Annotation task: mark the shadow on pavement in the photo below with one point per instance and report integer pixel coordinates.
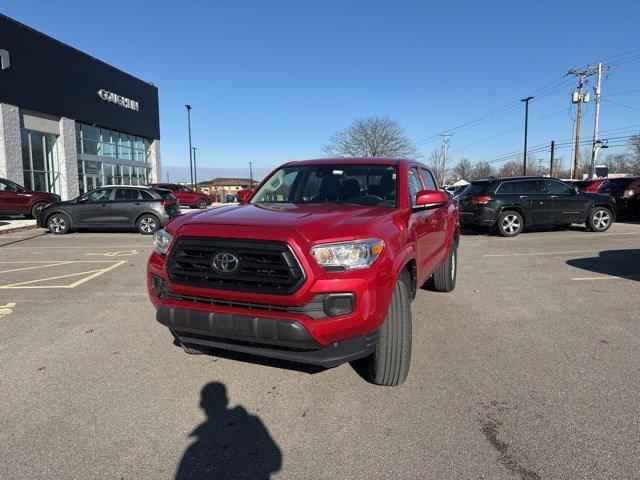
(23, 239)
(619, 263)
(229, 444)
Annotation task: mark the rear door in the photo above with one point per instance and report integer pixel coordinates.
(124, 206)
(535, 201)
(92, 209)
(567, 205)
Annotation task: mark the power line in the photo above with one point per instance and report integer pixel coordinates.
(621, 104)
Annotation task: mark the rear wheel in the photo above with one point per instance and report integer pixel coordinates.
(58, 224)
(148, 224)
(388, 365)
(444, 278)
(599, 219)
(33, 212)
(510, 223)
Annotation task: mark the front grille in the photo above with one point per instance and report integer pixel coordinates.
(263, 266)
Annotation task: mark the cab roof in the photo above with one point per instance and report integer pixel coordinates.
(351, 161)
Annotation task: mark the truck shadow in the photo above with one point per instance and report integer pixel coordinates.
(230, 444)
(619, 263)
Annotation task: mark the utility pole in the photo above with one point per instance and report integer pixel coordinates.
(251, 173)
(553, 147)
(446, 136)
(189, 128)
(195, 170)
(167, 177)
(526, 128)
(596, 144)
(579, 97)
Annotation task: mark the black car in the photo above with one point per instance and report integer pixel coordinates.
(143, 208)
(626, 192)
(510, 204)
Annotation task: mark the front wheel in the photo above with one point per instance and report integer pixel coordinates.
(35, 209)
(388, 365)
(599, 219)
(58, 224)
(148, 224)
(510, 223)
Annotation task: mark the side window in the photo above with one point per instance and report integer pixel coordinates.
(6, 186)
(126, 194)
(101, 195)
(146, 195)
(557, 187)
(508, 188)
(428, 179)
(532, 186)
(415, 184)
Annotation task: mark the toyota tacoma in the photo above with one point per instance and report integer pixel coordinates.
(319, 264)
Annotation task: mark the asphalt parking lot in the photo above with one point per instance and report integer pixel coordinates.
(528, 370)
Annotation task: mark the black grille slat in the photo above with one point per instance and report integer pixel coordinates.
(264, 266)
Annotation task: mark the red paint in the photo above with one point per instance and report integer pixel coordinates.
(186, 196)
(423, 235)
(15, 199)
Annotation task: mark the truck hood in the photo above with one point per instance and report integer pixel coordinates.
(316, 222)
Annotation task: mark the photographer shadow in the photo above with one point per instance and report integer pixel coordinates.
(229, 444)
(623, 263)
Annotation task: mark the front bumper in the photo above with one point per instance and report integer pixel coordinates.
(266, 336)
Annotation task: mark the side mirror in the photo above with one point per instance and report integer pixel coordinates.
(243, 195)
(431, 199)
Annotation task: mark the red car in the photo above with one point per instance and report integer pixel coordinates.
(318, 265)
(16, 200)
(185, 195)
(589, 186)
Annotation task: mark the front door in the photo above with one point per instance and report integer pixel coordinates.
(566, 203)
(92, 209)
(535, 201)
(13, 198)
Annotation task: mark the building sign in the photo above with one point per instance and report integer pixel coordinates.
(4, 59)
(118, 99)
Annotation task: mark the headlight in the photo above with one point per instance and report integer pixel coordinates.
(162, 239)
(348, 255)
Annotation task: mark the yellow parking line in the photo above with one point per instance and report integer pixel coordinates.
(91, 275)
(97, 274)
(22, 262)
(606, 277)
(559, 252)
(37, 266)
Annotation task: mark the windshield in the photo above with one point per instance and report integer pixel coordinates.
(361, 184)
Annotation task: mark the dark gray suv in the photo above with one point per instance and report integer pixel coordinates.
(145, 209)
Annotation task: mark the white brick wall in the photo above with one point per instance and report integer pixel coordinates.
(68, 159)
(156, 164)
(10, 148)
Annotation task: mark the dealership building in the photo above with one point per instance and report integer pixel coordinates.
(69, 122)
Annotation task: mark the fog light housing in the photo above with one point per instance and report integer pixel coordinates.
(339, 304)
(158, 287)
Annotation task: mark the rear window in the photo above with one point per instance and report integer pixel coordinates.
(146, 195)
(475, 189)
(533, 186)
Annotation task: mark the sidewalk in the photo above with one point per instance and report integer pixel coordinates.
(8, 225)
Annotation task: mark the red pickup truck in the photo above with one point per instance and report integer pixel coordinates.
(318, 265)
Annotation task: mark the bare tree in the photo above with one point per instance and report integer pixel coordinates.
(463, 169)
(634, 154)
(377, 136)
(510, 169)
(434, 162)
(483, 170)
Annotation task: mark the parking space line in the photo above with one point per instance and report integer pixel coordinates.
(559, 252)
(45, 265)
(606, 277)
(91, 274)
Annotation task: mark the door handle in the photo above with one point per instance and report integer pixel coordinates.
(554, 196)
(523, 196)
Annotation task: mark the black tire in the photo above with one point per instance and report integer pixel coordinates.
(201, 203)
(388, 365)
(59, 223)
(599, 219)
(444, 278)
(33, 212)
(510, 223)
(148, 224)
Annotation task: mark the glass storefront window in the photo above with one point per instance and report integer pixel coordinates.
(40, 161)
(109, 143)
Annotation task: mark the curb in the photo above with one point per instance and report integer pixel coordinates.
(18, 229)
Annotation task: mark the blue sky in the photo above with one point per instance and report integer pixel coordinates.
(269, 82)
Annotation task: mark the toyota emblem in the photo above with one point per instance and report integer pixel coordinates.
(225, 262)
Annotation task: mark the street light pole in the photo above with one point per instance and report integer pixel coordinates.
(189, 128)
(195, 169)
(526, 128)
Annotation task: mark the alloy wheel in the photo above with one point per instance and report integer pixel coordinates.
(57, 224)
(601, 219)
(147, 225)
(511, 224)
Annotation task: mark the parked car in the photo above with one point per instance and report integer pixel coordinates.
(319, 265)
(626, 192)
(185, 195)
(589, 186)
(142, 208)
(17, 200)
(510, 204)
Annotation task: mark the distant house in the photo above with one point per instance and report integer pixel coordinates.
(222, 186)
